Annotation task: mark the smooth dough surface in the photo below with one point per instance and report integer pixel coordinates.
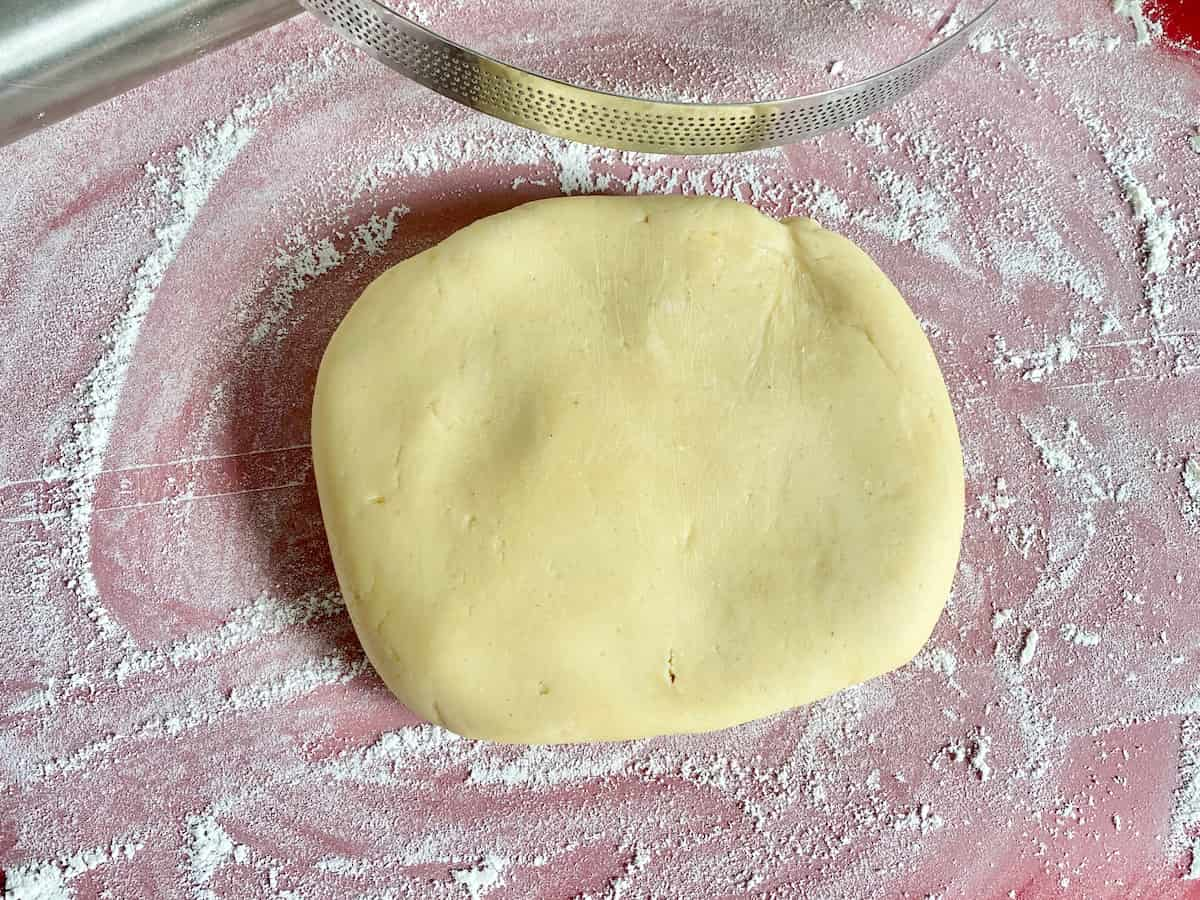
(602, 468)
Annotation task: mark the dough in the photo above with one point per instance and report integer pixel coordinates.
(602, 468)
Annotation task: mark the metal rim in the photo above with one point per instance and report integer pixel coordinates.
(610, 119)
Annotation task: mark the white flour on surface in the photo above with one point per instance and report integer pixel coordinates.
(1185, 816)
(1193, 872)
(1081, 637)
(978, 759)
(184, 188)
(50, 879)
(262, 617)
(619, 886)
(481, 880)
(541, 767)
(1191, 489)
(1028, 647)
(298, 265)
(304, 259)
(1144, 27)
(208, 848)
(1037, 365)
(265, 752)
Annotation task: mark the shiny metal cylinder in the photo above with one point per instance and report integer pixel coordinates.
(60, 56)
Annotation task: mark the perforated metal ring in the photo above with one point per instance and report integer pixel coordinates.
(614, 120)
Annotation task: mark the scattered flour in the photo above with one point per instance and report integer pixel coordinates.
(1193, 872)
(920, 819)
(918, 214)
(914, 191)
(1153, 216)
(619, 887)
(1144, 27)
(305, 679)
(300, 264)
(979, 753)
(1028, 647)
(824, 204)
(184, 187)
(938, 659)
(383, 761)
(481, 880)
(984, 41)
(1037, 365)
(1039, 253)
(302, 260)
(1158, 226)
(941, 660)
(49, 879)
(993, 505)
(207, 848)
(265, 616)
(1081, 637)
(41, 880)
(1191, 488)
(1185, 813)
(373, 236)
(541, 767)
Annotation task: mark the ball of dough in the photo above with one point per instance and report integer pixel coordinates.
(601, 468)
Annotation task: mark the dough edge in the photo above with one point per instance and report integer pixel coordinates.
(426, 681)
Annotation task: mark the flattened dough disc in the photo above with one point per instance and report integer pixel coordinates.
(601, 468)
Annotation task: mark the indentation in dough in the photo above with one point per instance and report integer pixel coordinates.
(516, 435)
(762, 339)
(396, 477)
(435, 412)
(866, 333)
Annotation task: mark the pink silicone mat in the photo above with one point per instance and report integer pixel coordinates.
(185, 710)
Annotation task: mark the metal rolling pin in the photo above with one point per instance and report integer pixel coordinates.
(60, 56)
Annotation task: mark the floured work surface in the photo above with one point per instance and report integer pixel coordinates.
(187, 709)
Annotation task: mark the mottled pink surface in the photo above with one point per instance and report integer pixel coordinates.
(222, 736)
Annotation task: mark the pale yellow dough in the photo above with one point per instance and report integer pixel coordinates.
(602, 468)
